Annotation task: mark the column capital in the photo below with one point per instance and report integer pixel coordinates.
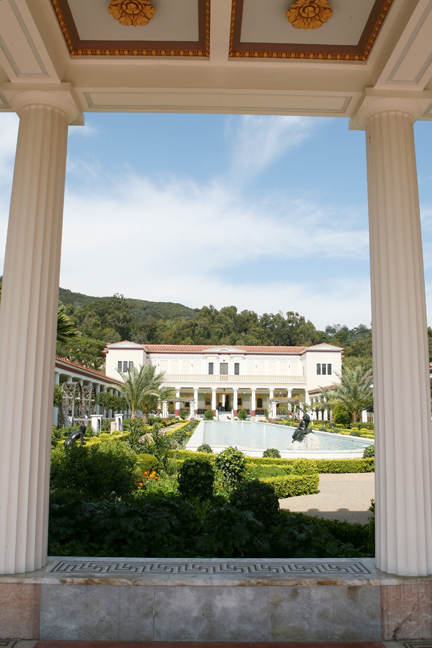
(374, 102)
(60, 96)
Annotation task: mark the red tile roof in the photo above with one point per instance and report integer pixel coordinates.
(99, 374)
(153, 348)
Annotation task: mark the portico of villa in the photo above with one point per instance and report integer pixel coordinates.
(371, 63)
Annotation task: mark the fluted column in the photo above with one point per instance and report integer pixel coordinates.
(400, 347)
(253, 402)
(235, 401)
(28, 321)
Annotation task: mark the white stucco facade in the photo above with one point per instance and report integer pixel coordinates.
(230, 378)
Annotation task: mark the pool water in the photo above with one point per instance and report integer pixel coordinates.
(253, 438)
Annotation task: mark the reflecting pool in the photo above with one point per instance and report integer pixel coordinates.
(253, 438)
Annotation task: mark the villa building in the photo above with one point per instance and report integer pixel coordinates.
(230, 378)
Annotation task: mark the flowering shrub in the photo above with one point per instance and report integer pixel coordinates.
(146, 477)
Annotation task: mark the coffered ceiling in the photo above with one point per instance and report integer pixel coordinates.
(178, 28)
(218, 56)
(262, 30)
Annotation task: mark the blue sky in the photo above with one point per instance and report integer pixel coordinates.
(264, 213)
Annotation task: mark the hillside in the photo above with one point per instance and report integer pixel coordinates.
(139, 308)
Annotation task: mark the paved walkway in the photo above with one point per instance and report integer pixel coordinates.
(340, 497)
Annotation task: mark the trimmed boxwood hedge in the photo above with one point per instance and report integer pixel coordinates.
(324, 465)
(293, 485)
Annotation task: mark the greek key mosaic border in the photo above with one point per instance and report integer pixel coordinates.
(417, 644)
(8, 643)
(195, 567)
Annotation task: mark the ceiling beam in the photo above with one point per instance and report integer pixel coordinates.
(220, 29)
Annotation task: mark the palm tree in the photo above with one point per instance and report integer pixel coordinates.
(65, 328)
(354, 392)
(143, 388)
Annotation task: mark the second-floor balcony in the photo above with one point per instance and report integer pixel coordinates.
(220, 378)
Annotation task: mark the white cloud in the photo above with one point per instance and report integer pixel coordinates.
(184, 242)
(260, 140)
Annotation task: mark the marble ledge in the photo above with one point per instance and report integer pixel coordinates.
(180, 572)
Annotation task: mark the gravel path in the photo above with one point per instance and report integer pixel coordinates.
(340, 497)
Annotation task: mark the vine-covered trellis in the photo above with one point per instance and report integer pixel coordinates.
(78, 403)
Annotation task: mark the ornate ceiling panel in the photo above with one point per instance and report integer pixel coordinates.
(261, 30)
(177, 28)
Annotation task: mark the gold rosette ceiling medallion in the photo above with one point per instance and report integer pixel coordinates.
(309, 14)
(132, 12)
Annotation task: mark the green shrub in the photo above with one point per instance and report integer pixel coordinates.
(369, 451)
(266, 470)
(184, 413)
(355, 433)
(147, 462)
(204, 448)
(259, 498)
(293, 485)
(196, 479)
(95, 472)
(341, 416)
(303, 467)
(272, 452)
(242, 415)
(208, 415)
(231, 463)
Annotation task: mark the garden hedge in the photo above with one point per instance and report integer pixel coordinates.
(324, 465)
(293, 485)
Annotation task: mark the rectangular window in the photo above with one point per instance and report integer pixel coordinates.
(211, 367)
(125, 366)
(224, 368)
(318, 369)
(329, 370)
(119, 365)
(324, 369)
(259, 403)
(208, 401)
(239, 401)
(236, 368)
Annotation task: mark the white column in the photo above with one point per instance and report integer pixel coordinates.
(164, 410)
(401, 380)
(28, 320)
(214, 399)
(177, 405)
(253, 402)
(196, 394)
(97, 390)
(235, 401)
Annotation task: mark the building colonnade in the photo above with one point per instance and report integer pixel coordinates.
(28, 325)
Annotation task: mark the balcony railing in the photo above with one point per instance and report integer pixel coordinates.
(216, 378)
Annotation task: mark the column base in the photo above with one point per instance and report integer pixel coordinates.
(253, 412)
(177, 412)
(165, 420)
(235, 412)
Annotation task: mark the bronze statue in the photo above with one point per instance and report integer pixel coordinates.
(74, 436)
(301, 431)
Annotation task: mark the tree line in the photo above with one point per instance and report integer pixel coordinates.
(102, 321)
